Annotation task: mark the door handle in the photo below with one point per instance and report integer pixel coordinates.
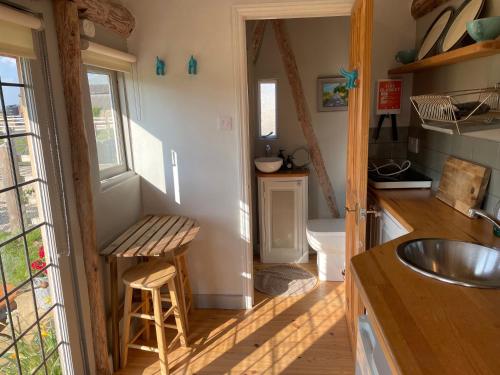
(361, 213)
(365, 212)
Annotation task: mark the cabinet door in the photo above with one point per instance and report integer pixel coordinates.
(390, 228)
(283, 222)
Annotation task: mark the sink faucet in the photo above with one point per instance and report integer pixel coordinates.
(268, 150)
(474, 213)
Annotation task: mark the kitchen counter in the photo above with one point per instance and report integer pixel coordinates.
(426, 326)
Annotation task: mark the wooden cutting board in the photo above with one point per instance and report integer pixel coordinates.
(463, 184)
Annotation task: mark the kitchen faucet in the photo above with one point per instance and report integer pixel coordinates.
(474, 213)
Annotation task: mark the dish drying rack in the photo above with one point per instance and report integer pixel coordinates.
(458, 112)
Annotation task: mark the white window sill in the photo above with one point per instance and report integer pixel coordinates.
(116, 180)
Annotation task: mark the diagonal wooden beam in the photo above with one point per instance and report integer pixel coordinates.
(257, 38)
(113, 16)
(68, 38)
(303, 114)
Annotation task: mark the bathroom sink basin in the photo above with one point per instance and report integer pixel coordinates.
(268, 164)
(454, 262)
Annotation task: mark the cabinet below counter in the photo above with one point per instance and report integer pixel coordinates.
(283, 210)
(427, 326)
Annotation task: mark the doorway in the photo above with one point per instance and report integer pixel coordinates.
(242, 14)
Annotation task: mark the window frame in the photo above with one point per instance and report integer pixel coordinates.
(47, 226)
(123, 167)
(259, 128)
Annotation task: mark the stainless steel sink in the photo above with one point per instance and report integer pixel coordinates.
(454, 262)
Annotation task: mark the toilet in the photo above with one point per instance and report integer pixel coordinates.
(327, 238)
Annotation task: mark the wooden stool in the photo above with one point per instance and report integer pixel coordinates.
(151, 277)
(186, 294)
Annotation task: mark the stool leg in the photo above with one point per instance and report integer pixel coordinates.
(146, 310)
(160, 331)
(188, 293)
(127, 308)
(179, 280)
(179, 316)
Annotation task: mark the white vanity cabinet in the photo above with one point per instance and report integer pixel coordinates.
(283, 217)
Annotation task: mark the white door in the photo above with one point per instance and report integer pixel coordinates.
(283, 228)
(36, 288)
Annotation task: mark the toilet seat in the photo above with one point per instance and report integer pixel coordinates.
(326, 235)
(326, 225)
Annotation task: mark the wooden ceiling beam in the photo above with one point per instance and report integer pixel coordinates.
(303, 114)
(257, 38)
(420, 8)
(113, 16)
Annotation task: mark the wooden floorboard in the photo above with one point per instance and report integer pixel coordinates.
(304, 335)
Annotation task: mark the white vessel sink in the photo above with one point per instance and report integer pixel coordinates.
(268, 164)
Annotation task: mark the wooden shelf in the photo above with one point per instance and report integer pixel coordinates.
(474, 51)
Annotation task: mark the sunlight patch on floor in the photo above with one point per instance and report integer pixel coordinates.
(289, 335)
(283, 347)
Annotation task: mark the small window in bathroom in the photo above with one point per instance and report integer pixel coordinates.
(267, 108)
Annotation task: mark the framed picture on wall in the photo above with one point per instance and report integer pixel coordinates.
(332, 94)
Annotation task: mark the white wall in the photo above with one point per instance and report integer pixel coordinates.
(321, 47)
(393, 30)
(179, 112)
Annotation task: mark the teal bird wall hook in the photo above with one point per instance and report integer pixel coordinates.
(192, 66)
(351, 77)
(160, 67)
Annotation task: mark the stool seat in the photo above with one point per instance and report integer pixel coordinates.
(149, 275)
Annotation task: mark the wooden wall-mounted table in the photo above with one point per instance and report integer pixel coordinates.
(154, 235)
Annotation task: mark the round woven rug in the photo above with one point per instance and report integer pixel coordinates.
(284, 280)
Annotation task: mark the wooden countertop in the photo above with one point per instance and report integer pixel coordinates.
(426, 326)
(302, 172)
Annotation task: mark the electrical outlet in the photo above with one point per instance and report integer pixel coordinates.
(225, 123)
(413, 144)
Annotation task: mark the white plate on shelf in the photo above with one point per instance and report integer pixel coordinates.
(434, 33)
(469, 11)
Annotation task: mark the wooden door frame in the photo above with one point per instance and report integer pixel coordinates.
(241, 14)
(357, 158)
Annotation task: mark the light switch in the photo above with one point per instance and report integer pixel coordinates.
(225, 123)
(413, 145)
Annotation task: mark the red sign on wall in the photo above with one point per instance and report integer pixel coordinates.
(389, 96)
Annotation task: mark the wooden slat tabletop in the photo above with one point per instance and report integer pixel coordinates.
(152, 236)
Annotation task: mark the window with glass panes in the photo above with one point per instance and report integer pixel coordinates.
(30, 338)
(106, 116)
